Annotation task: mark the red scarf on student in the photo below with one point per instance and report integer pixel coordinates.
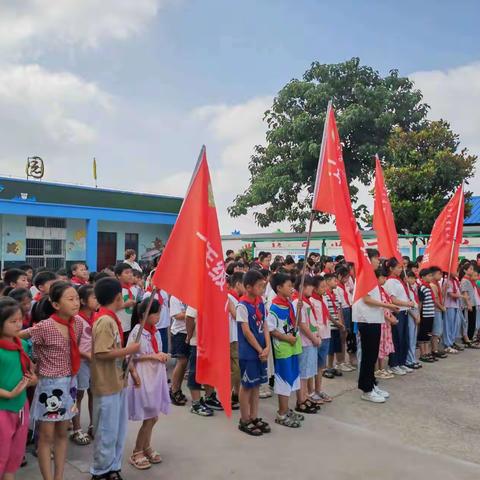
(152, 330)
(17, 345)
(345, 293)
(439, 290)
(255, 303)
(325, 312)
(27, 320)
(79, 281)
(284, 302)
(332, 298)
(307, 301)
(404, 285)
(455, 284)
(415, 294)
(38, 296)
(234, 294)
(88, 319)
(385, 296)
(150, 289)
(326, 270)
(74, 350)
(474, 285)
(427, 285)
(102, 311)
(128, 287)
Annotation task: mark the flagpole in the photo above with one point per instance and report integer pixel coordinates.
(312, 216)
(450, 262)
(126, 363)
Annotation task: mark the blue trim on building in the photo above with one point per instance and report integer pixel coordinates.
(91, 242)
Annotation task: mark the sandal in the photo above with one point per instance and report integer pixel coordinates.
(178, 398)
(249, 428)
(311, 404)
(328, 374)
(152, 456)
(287, 421)
(139, 461)
(263, 426)
(297, 416)
(426, 359)
(80, 438)
(325, 397)
(114, 475)
(304, 408)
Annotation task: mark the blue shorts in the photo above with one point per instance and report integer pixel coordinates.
(253, 373)
(308, 362)
(322, 353)
(347, 318)
(438, 324)
(335, 342)
(83, 375)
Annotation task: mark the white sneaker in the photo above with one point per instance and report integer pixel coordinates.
(345, 368)
(381, 392)
(398, 371)
(372, 397)
(406, 369)
(265, 391)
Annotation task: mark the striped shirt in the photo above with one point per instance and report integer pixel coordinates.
(428, 305)
(333, 308)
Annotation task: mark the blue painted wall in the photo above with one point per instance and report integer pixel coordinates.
(13, 238)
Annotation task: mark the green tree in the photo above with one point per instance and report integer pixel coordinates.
(368, 107)
(423, 169)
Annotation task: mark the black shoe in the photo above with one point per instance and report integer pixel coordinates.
(177, 398)
(337, 372)
(328, 374)
(114, 475)
(439, 354)
(413, 366)
(458, 347)
(199, 408)
(212, 402)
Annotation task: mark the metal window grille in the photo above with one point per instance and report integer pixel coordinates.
(46, 222)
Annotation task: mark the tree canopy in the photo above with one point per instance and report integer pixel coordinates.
(372, 111)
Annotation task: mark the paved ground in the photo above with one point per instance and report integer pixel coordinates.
(429, 428)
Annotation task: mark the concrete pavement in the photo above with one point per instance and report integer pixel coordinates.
(429, 428)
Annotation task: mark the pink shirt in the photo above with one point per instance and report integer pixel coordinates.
(85, 344)
(52, 349)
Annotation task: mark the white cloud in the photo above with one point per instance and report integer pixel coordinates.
(71, 22)
(454, 95)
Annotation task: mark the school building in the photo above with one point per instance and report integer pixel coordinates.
(55, 225)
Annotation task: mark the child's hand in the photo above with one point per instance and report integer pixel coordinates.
(135, 378)
(130, 303)
(162, 357)
(20, 387)
(263, 355)
(291, 339)
(132, 348)
(317, 341)
(393, 307)
(32, 379)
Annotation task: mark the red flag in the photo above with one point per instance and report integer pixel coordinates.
(446, 237)
(383, 222)
(192, 269)
(332, 196)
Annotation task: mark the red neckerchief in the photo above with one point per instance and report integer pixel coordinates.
(79, 281)
(152, 330)
(326, 270)
(284, 302)
(255, 303)
(345, 294)
(38, 296)
(455, 284)
(331, 295)
(385, 296)
(415, 294)
(474, 285)
(325, 312)
(74, 350)
(17, 345)
(128, 287)
(402, 282)
(427, 285)
(88, 319)
(27, 320)
(102, 311)
(307, 301)
(157, 293)
(439, 290)
(234, 294)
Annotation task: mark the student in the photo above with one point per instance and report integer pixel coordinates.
(28, 269)
(55, 342)
(253, 351)
(437, 329)
(16, 374)
(344, 299)
(80, 274)
(164, 323)
(24, 298)
(236, 290)
(200, 406)
(289, 263)
(180, 350)
(368, 313)
(88, 308)
(310, 337)
(336, 327)
(139, 283)
(475, 278)
(15, 278)
(318, 302)
(414, 321)
(326, 265)
(151, 398)
(386, 341)
(107, 382)
(398, 291)
(453, 315)
(124, 274)
(286, 346)
(468, 287)
(42, 282)
(427, 315)
(62, 275)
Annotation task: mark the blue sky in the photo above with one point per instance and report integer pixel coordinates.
(141, 84)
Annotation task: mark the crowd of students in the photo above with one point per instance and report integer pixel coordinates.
(64, 335)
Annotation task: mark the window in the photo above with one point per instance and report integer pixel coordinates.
(46, 222)
(41, 249)
(131, 241)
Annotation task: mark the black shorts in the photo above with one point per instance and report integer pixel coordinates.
(425, 329)
(335, 342)
(180, 349)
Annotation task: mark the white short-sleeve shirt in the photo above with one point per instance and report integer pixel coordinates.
(192, 313)
(177, 307)
(394, 287)
(363, 313)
